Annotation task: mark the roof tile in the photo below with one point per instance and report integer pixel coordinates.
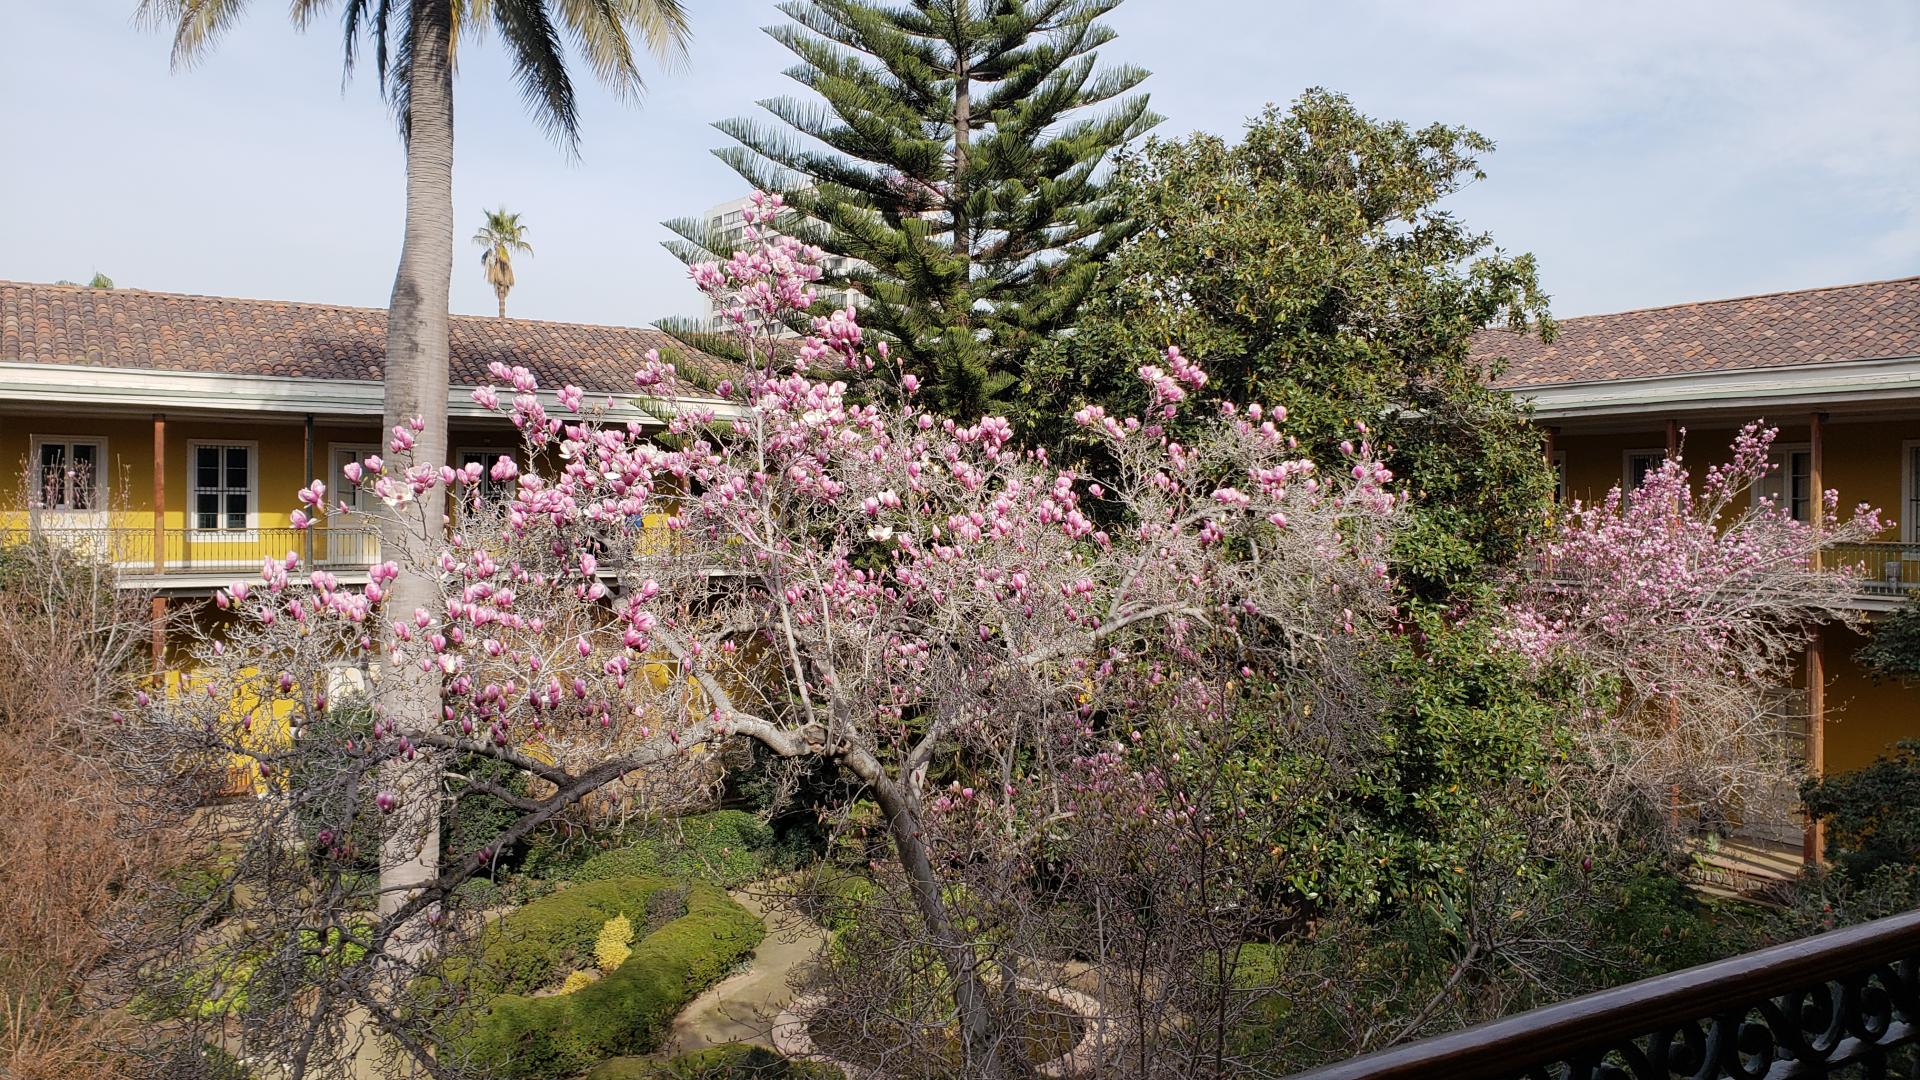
(1816, 326)
(134, 328)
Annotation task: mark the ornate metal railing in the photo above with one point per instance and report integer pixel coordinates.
(1890, 569)
(1844, 1003)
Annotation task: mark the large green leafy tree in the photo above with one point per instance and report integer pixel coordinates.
(1314, 265)
(953, 150)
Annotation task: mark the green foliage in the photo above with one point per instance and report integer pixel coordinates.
(1571, 927)
(224, 981)
(734, 1061)
(833, 897)
(961, 169)
(476, 818)
(542, 942)
(626, 1012)
(1893, 652)
(1872, 814)
(726, 848)
(1389, 820)
(1313, 265)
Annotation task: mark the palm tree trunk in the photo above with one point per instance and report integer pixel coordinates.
(502, 294)
(416, 385)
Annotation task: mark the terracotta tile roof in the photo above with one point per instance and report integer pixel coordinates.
(133, 328)
(1817, 326)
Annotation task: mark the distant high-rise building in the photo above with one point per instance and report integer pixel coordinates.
(726, 224)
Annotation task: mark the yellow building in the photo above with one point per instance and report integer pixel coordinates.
(1837, 370)
(175, 430)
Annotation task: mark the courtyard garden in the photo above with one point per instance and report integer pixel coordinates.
(1133, 638)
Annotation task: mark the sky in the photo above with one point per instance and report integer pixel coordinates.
(1648, 153)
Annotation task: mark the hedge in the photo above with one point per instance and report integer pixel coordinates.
(726, 848)
(542, 942)
(734, 1061)
(626, 1012)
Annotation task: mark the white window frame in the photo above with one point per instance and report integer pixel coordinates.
(99, 443)
(252, 531)
(1780, 455)
(336, 481)
(1626, 464)
(1909, 477)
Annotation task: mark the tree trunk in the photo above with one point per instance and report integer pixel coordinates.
(502, 294)
(957, 190)
(416, 385)
(979, 1041)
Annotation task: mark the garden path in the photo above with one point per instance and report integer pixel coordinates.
(741, 1007)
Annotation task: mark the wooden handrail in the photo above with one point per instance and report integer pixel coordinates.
(1572, 1037)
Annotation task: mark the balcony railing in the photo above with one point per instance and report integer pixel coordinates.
(1891, 569)
(211, 551)
(1845, 1003)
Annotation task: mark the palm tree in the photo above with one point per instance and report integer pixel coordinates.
(414, 44)
(500, 237)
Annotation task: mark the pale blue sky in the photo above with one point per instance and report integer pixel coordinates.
(1649, 153)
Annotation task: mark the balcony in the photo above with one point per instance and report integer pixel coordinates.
(190, 558)
(1892, 570)
(1844, 1003)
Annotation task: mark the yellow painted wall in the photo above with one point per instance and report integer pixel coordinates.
(1861, 459)
(1863, 717)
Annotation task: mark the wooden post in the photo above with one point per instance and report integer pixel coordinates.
(159, 538)
(1673, 436)
(1813, 847)
(307, 537)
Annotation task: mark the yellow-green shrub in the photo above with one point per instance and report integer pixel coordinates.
(611, 950)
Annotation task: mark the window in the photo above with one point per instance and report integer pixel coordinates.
(69, 473)
(221, 476)
(339, 488)
(1790, 482)
(1559, 477)
(1910, 521)
(1640, 463)
(489, 489)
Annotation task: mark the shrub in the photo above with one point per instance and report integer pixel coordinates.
(728, 848)
(612, 950)
(546, 940)
(735, 1061)
(625, 1012)
(1872, 814)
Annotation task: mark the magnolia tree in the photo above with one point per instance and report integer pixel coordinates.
(1684, 610)
(904, 596)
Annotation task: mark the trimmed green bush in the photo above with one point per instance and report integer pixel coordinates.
(726, 848)
(627, 1012)
(734, 1061)
(543, 942)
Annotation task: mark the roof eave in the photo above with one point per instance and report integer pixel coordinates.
(1875, 382)
(113, 387)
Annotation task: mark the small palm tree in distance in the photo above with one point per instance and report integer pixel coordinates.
(499, 238)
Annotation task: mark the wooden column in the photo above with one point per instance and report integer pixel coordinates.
(1813, 847)
(1673, 437)
(159, 538)
(307, 537)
